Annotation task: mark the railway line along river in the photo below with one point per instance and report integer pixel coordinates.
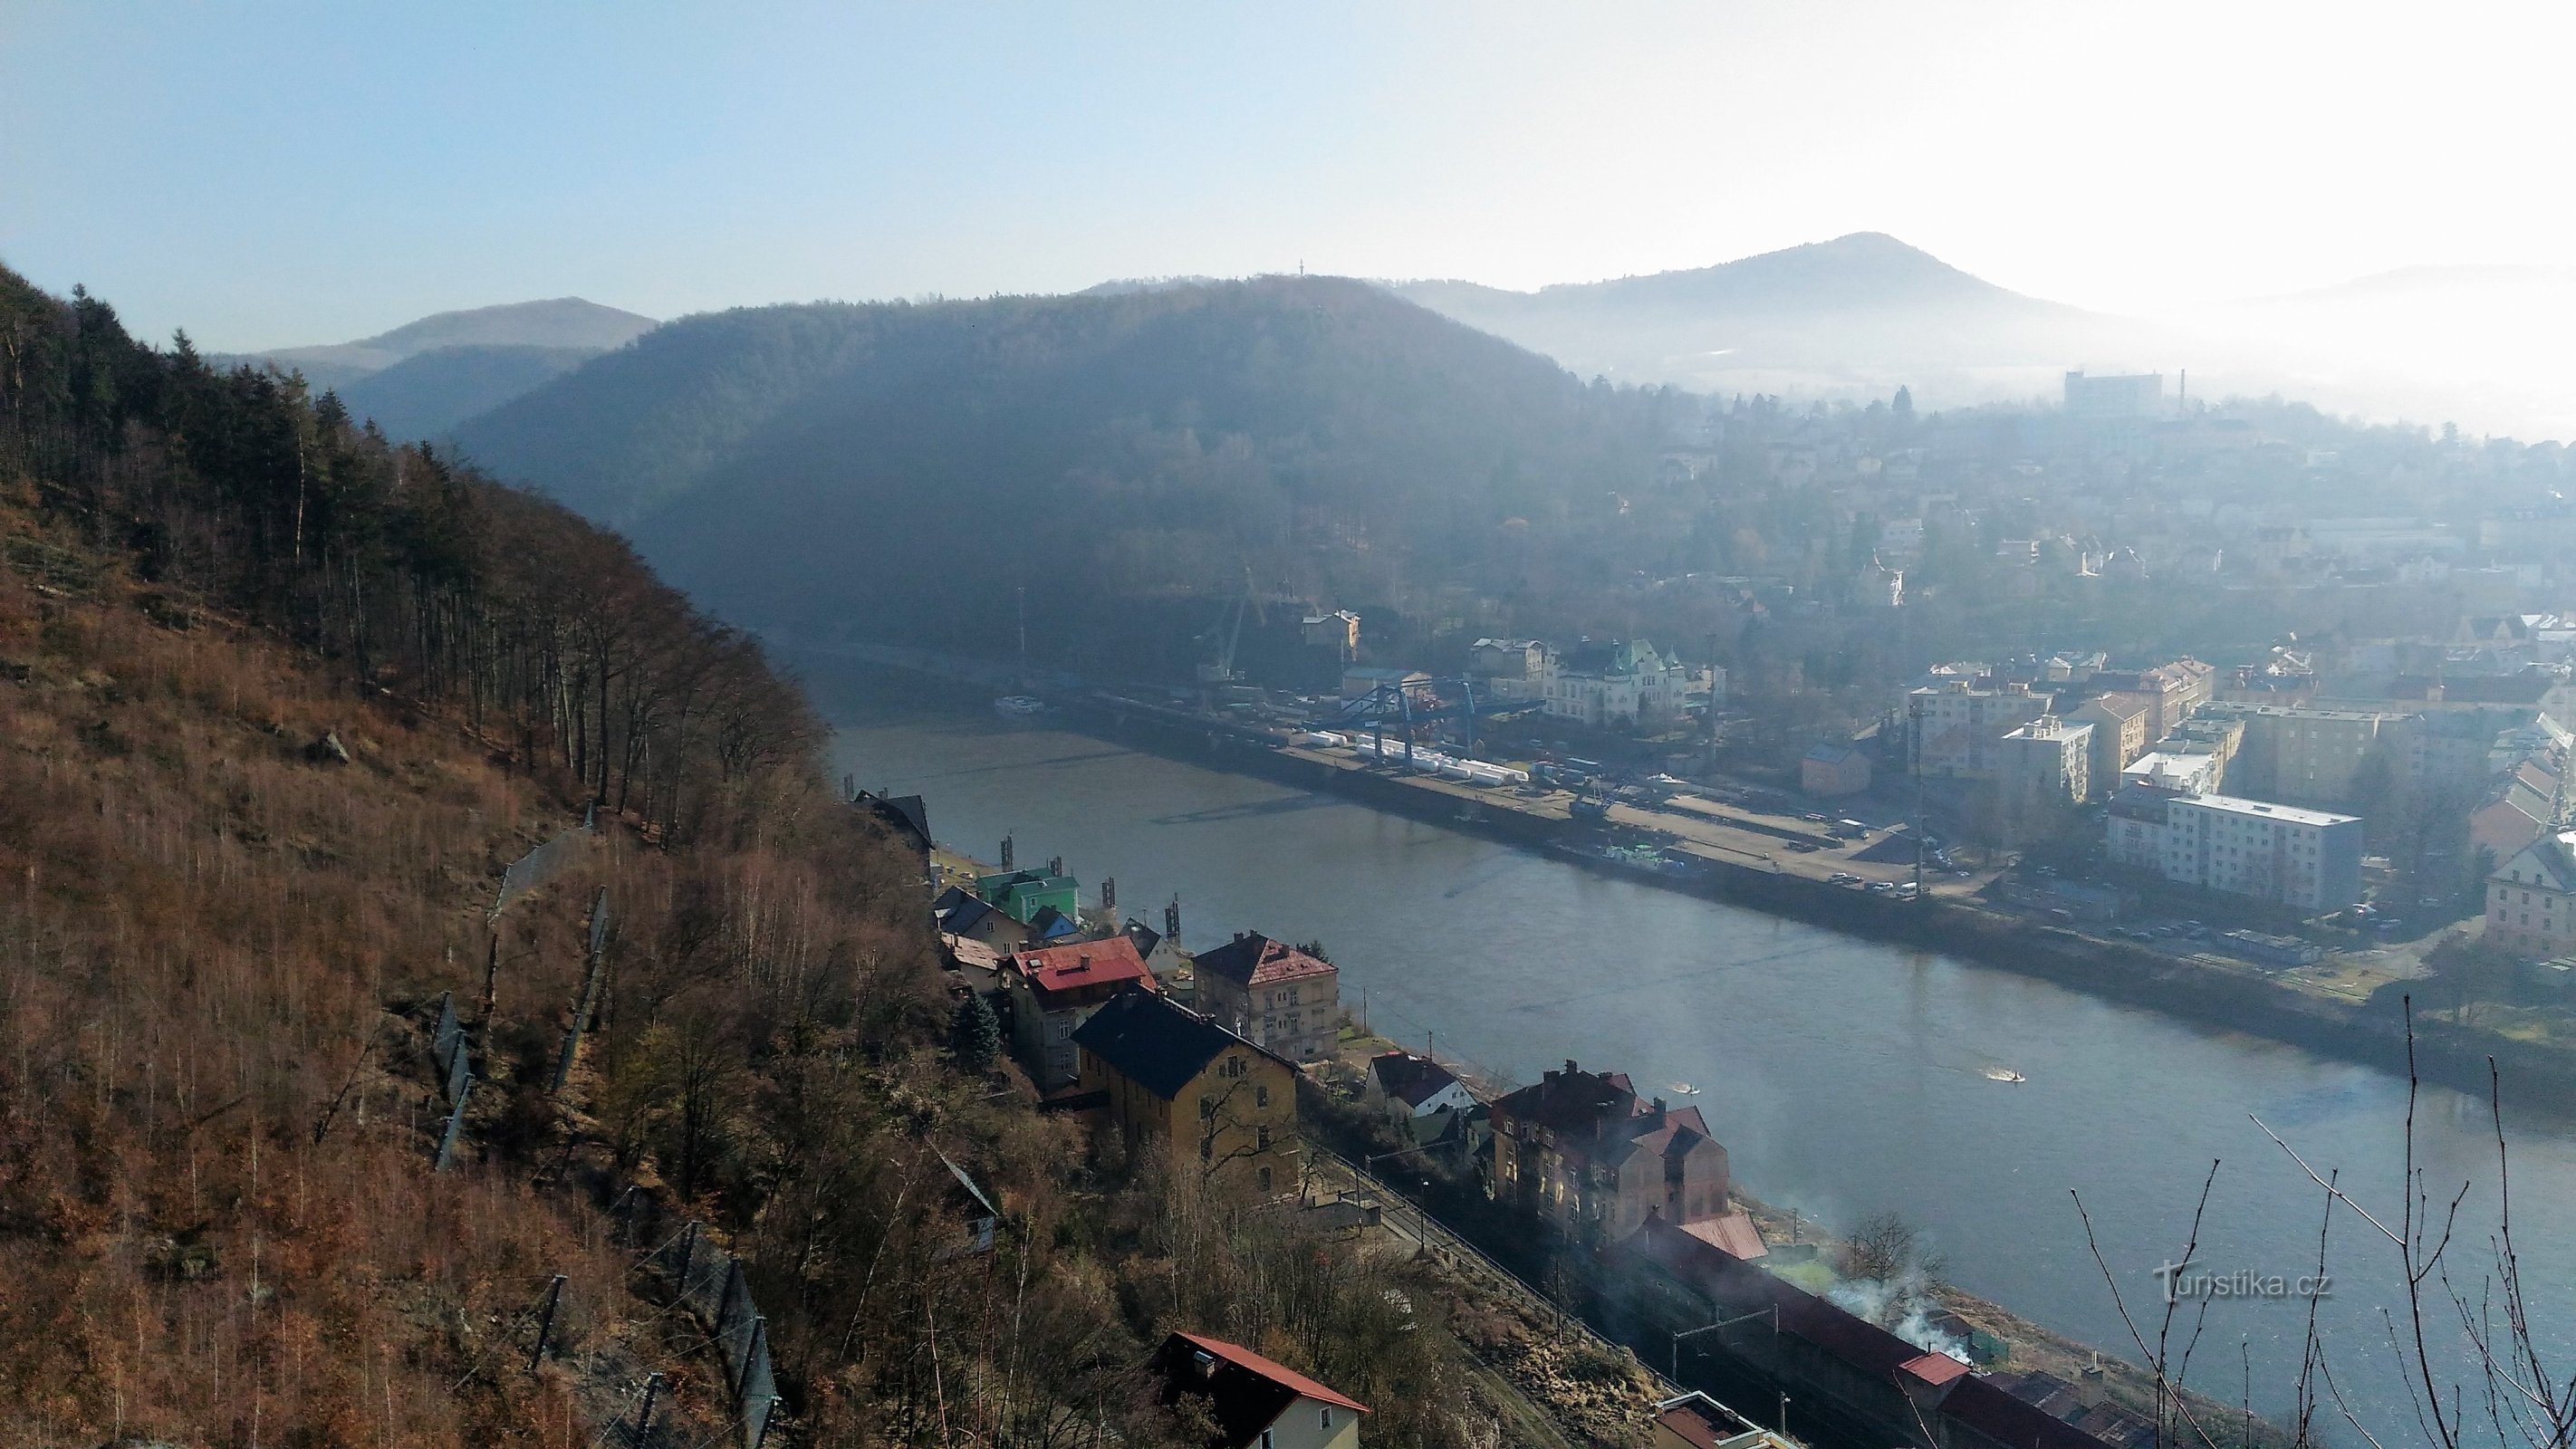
(1844, 1076)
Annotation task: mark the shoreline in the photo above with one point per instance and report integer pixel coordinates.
(2371, 1034)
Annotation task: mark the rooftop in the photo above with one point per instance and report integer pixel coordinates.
(1253, 959)
(2265, 809)
(1410, 1079)
(1157, 1044)
(1083, 963)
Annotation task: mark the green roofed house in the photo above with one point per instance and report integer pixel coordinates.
(1021, 894)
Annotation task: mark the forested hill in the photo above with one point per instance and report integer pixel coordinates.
(903, 469)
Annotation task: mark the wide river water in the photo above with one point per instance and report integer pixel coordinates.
(1843, 1075)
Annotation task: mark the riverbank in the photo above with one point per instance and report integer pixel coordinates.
(2236, 997)
(1950, 918)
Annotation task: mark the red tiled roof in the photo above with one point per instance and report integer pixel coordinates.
(1933, 1368)
(1081, 964)
(1253, 959)
(1278, 1373)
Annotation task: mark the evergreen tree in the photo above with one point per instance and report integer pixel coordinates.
(974, 1034)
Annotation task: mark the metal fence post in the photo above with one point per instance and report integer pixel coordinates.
(546, 1325)
(455, 1120)
(688, 1249)
(644, 1421)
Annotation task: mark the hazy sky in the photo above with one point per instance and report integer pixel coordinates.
(275, 173)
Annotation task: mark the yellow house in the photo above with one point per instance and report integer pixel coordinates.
(1256, 1403)
(1167, 1075)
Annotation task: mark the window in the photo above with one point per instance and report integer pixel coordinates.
(1265, 1187)
(1324, 1416)
(1261, 1139)
(1207, 1109)
(1261, 1096)
(1265, 1439)
(1207, 1149)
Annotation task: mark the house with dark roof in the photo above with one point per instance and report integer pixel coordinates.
(1173, 1081)
(1054, 989)
(1273, 993)
(1415, 1092)
(956, 913)
(1817, 1350)
(904, 817)
(1582, 1151)
(1255, 1402)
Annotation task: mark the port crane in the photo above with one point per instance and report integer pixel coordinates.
(1405, 706)
(1229, 635)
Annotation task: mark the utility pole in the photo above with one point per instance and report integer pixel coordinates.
(1914, 715)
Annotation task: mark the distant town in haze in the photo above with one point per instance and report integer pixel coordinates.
(1807, 852)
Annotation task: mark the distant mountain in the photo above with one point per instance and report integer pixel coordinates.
(424, 377)
(562, 322)
(908, 471)
(1860, 314)
(428, 393)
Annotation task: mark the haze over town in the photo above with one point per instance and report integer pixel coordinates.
(2116, 158)
(1711, 726)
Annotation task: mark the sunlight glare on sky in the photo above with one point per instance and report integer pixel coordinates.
(270, 174)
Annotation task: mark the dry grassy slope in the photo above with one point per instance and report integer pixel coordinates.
(203, 932)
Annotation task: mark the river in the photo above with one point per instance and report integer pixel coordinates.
(1843, 1075)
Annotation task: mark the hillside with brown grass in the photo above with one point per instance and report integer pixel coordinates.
(280, 705)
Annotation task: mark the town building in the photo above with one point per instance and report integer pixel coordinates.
(2183, 774)
(1254, 1402)
(968, 917)
(1507, 659)
(1582, 1151)
(1955, 729)
(1621, 683)
(2049, 760)
(1338, 631)
(1174, 1082)
(1022, 894)
(1054, 989)
(1696, 1421)
(1892, 1389)
(1831, 769)
(1415, 1092)
(2119, 720)
(2174, 691)
(1162, 954)
(2520, 806)
(1271, 993)
(2531, 899)
(2306, 859)
(2306, 756)
(2218, 737)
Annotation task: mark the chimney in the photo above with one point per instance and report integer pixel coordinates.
(1657, 1113)
(1569, 1066)
(2091, 1388)
(1242, 935)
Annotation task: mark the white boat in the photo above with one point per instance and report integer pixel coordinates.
(1019, 704)
(1684, 1089)
(2003, 1074)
